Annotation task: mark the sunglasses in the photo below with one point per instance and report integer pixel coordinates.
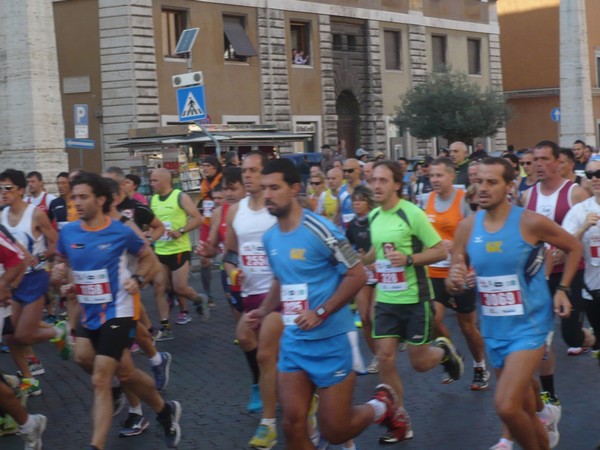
(348, 170)
(316, 183)
(590, 175)
(6, 187)
(527, 163)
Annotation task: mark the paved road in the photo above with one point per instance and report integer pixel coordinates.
(210, 378)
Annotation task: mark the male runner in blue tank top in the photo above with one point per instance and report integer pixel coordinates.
(317, 274)
(514, 300)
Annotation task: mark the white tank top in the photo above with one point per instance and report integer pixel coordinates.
(546, 204)
(23, 232)
(250, 226)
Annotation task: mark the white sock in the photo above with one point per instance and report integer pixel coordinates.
(269, 422)
(27, 427)
(156, 359)
(379, 407)
(352, 446)
(479, 364)
(136, 410)
(507, 442)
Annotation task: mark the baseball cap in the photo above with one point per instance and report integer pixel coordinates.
(361, 152)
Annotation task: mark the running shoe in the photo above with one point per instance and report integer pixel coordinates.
(8, 426)
(452, 360)
(211, 303)
(134, 425)
(373, 366)
(170, 423)
(255, 403)
(480, 379)
(400, 428)
(204, 311)
(551, 425)
(402, 346)
(12, 380)
(549, 399)
(574, 351)
(50, 319)
(5, 349)
(500, 446)
(164, 334)
(183, 318)
(386, 394)
(265, 438)
(31, 387)
(134, 348)
(118, 400)
(63, 342)
(33, 439)
(35, 366)
(161, 371)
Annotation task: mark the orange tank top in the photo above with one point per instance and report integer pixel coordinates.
(445, 223)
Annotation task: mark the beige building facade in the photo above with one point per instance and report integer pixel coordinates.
(335, 68)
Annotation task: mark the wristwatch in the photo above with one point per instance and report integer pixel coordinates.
(563, 288)
(138, 278)
(409, 260)
(181, 230)
(322, 313)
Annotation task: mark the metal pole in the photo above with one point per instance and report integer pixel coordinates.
(212, 138)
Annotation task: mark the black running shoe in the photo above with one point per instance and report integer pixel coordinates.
(452, 361)
(170, 423)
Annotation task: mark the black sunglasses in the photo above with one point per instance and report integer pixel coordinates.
(6, 187)
(590, 175)
(316, 183)
(527, 163)
(348, 170)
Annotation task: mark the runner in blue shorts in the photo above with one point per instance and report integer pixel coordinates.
(316, 275)
(515, 305)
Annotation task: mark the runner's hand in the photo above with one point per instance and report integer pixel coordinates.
(308, 319)
(471, 279)
(131, 285)
(202, 248)
(67, 289)
(254, 318)
(562, 304)
(396, 258)
(457, 277)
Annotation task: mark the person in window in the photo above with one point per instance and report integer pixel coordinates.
(299, 57)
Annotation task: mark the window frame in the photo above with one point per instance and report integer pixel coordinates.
(397, 50)
(477, 69)
(305, 28)
(444, 39)
(236, 25)
(167, 34)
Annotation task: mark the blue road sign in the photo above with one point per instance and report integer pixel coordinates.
(191, 103)
(88, 144)
(80, 113)
(555, 114)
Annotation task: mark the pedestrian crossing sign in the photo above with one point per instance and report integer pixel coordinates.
(191, 103)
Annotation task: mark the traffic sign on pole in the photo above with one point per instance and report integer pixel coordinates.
(86, 144)
(81, 119)
(555, 114)
(191, 103)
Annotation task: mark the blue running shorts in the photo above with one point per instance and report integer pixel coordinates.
(500, 349)
(326, 361)
(33, 286)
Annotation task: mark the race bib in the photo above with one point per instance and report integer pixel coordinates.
(294, 300)
(165, 236)
(347, 218)
(207, 208)
(445, 264)
(595, 249)
(390, 279)
(92, 286)
(500, 296)
(254, 259)
(371, 276)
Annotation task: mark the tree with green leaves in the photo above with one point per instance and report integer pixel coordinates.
(450, 105)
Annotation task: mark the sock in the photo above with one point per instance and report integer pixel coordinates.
(547, 382)
(269, 422)
(479, 364)
(156, 359)
(379, 407)
(251, 357)
(507, 442)
(28, 426)
(352, 446)
(136, 410)
(165, 324)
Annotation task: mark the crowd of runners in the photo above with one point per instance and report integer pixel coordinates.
(305, 261)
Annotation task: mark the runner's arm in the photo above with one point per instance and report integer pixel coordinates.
(157, 229)
(45, 227)
(194, 216)
(213, 234)
(231, 242)
(457, 275)
(369, 257)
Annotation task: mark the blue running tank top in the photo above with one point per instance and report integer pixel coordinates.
(509, 307)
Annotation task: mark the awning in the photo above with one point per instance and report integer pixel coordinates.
(192, 139)
(237, 36)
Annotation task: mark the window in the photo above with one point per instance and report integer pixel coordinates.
(300, 34)
(474, 54)
(338, 42)
(173, 23)
(438, 51)
(237, 45)
(392, 50)
(351, 42)
(598, 71)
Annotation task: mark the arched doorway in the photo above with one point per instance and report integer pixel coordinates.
(348, 112)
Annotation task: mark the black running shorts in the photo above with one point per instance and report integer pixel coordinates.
(462, 304)
(112, 338)
(412, 323)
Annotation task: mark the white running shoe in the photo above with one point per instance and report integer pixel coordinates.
(551, 425)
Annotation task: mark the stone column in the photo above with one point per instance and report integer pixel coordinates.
(32, 135)
(374, 132)
(496, 72)
(329, 98)
(576, 112)
(128, 72)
